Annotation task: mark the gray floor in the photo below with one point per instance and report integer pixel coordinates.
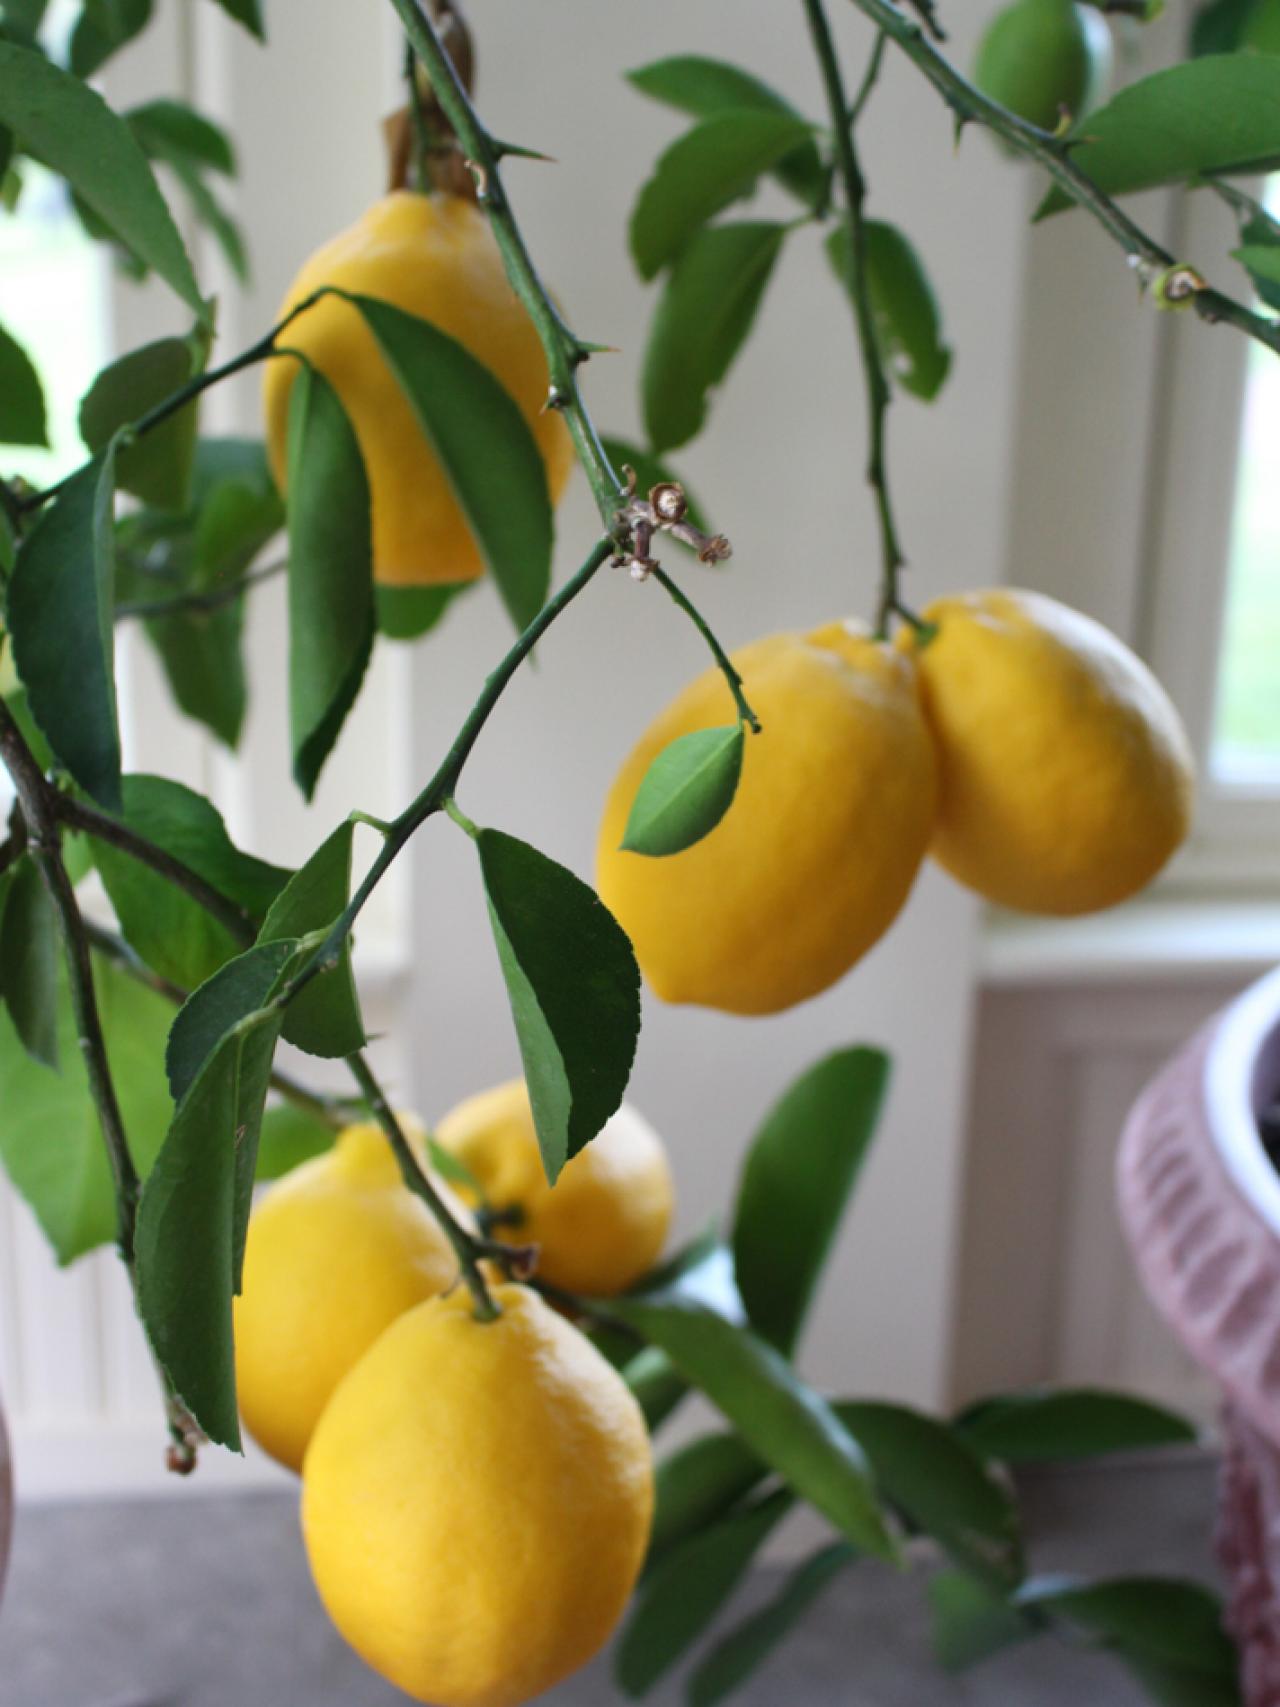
(208, 1604)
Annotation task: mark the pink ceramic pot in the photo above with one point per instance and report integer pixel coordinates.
(1200, 1199)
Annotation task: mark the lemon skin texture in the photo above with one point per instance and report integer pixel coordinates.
(435, 257)
(476, 1501)
(819, 850)
(1067, 777)
(336, 1250)
(604, 1222)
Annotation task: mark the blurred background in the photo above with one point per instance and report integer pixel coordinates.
(1085, 445)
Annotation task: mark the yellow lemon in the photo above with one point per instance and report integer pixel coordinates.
(433, 256)
(604, 1222)
(336, 1251)
(819, 850)
(476, 1501)
(1066, 776)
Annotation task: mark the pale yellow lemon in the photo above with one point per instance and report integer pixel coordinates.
(476, 1501)
(1067, 780)
(336, 1250)
(820, 848)
(604, 1222)
(433, 256)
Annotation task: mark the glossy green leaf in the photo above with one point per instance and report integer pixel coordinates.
(157, 468)
(172, 144)
(248, 13)
(1161, 1620)
(1218, 27)
(165, 125)
(657, 1384)
(701, 322)
(698, 1484)
(484, 445)
(60, 604)
(703, 87)
(686, 1591)
(29, 950)
(651, 471)
(735, 1657)
(405, 613)
(22, 411)
(908, 320)
(798, 1175)
(102, 29)
(1217, 114)
(701, 1273)
(73, 130)
(574, 989)
(289, 1137)
(22, 19)
(203, 661)
(710, 166)
(1044, 1425)
(685, 792)
(972, 1620)
(50, 1139)
(194, 1209)
(931, 1474)
(792, 1428)
(324, 1017)
(330, 572)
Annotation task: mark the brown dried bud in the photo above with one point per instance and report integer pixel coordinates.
(669, 502)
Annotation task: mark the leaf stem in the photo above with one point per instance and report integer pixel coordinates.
(565, 352)
(731, 676)
(1054, 154)
(879, 396)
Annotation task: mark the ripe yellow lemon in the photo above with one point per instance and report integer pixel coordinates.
(336, 1251)
(1066, 776)
(604, 1222)
(476, 1501)
(433, 256)
(819, 850)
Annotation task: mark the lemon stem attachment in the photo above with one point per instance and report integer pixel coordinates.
(731, 676)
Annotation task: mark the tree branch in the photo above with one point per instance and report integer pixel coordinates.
(214, 598)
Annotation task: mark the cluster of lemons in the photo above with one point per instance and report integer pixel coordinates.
(476, 1496)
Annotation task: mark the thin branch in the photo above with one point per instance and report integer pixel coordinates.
(878, 393)
(718, 652)
(199, 602)
(869, 79)
(1054, 154)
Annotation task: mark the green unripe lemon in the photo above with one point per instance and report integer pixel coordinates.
(1039, 56)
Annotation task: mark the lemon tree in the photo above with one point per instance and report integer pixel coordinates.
(466, 1342)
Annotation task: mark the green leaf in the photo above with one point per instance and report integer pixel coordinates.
(248, 13)
(484, 445)
(710, 166)
(167, 125)
(972, 1621)
(701, 322)
(50, 1139)
(330, 572)
(404, 613)
(157, 468)
(792, 1428)
(657, 1385)
(1219, 27)
(22, 19)
(908, 321)
(687, 1590)
(289, 1137)
(703, 87)
(453, 1169)
(60, 605)
(702, 1273)
(1160, 1620)
(1261, 260)
(685, 792)
(651, 471)
(698, 1484)
(736, 1656)
(324, 1017)
(574, 989)
(22, 411)
(206, 206)
(73, 130)
(799, 1172)
(165, 927)
(194, 1210)
(102, 29)
(1217, 114)
(201, 655)
(29, 963)
(928, 1470)
(1039, 1425)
